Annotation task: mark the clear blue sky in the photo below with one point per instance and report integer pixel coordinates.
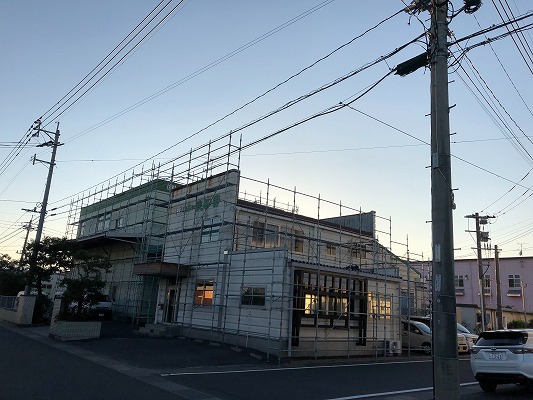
(48, 47)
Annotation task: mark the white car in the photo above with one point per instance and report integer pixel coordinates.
(464, 342)
(417, 336)
(504, 356)
(469, 336)
(100, 310)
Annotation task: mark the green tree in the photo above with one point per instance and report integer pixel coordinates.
(52, 255)
(84, 283)
(12, 278)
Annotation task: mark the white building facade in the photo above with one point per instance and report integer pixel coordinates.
(253, 275)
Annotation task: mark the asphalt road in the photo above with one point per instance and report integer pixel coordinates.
(32, 366)
(317, 382)
(30, 370)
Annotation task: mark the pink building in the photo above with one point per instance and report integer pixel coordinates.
(516, 285)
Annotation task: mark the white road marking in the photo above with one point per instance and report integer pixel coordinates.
(398, 392)
(291, 368)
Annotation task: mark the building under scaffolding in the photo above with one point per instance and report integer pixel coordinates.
(208, 253)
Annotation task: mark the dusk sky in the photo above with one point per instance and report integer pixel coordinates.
(209, 58)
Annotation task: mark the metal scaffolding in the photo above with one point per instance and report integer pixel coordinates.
(251, 263)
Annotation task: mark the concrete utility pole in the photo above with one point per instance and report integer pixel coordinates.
(444, 323)
(54, 143)
(523, 286)
(481, 274)
(499, 310)
(28, 228)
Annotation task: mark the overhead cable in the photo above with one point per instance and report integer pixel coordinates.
(506, 73)
(228, 56)
(279, 109)
(525, 51)
(70, 101)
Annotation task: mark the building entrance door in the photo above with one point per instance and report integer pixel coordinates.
(170, 303)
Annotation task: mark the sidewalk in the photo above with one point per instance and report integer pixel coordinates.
(122, 350)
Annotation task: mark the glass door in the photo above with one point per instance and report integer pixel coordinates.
(170, 302)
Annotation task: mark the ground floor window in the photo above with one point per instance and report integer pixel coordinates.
(380, 305)
(204, 293)
(329, 301)
(253, 296)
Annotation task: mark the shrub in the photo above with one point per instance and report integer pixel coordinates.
(517, 324)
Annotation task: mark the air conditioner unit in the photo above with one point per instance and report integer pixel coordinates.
(391, 347)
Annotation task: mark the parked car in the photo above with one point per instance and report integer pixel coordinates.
(100, 310)
(417, 335)
(503, 356)
(470, 337)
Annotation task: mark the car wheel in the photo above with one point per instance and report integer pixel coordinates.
(488, 386)
(426, 348)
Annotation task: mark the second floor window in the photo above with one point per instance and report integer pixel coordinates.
(103, 223)
(258, 234)
(210, 231)
(264, 235)
(514, 281)
(459, 281)
(331, 250)
(486, 283)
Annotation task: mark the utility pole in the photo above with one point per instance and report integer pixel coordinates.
(481, 274)
(54, 143)
(444, 323)
(481, 237)
(28, 228)
(523, 285)
(499, 311)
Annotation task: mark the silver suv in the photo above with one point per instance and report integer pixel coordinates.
(504, 356)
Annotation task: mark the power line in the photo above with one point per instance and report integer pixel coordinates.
(275, 111)
(520, 148)
(228, 56)
(506, 73)
(71, 101)
(14, 153)
(81, 82)
(65, 102)
(452, 155)
(519, 47)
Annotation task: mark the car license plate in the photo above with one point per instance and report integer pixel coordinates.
(496, 356)
(101, 314)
